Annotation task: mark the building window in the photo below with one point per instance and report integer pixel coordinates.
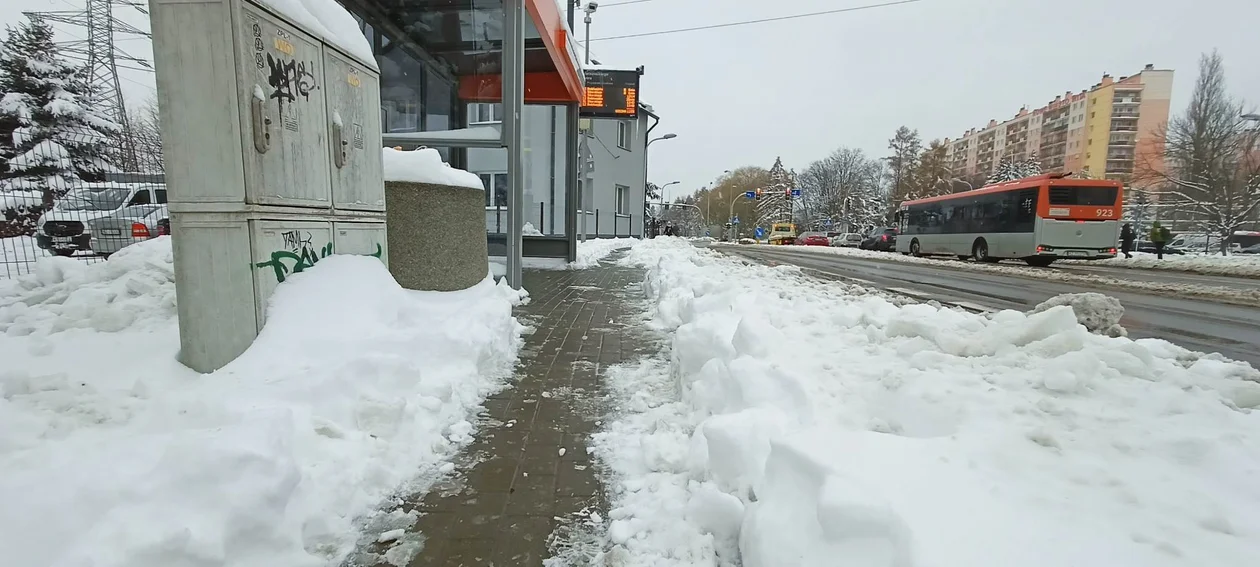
(485, 113)
(625, 132)
(623, 200)
(496, 188)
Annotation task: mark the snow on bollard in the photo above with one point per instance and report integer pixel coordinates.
(1099, 313)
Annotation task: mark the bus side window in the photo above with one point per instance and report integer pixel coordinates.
(1027, 210)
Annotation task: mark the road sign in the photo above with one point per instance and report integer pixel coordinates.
(796, 192)
(760, 232)
(750, 194)
(734, 220)
(827, 223)
(708, 232)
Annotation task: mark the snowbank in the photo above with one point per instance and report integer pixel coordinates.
(17, 257)
(1219, 293)
(589, 253)
(332, 23)
(799, 424)
(1096, 312)
(425, 165)
(1242, 265)
(113, 454)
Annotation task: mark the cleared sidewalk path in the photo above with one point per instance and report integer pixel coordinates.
(529, 467)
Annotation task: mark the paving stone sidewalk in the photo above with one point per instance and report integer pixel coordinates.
(530, 469)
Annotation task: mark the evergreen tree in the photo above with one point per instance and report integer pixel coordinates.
(903, 162)
(1031, 166)
(775, 204)
(1005, 171)
(49, 138)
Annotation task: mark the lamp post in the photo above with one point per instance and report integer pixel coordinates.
(669, 136)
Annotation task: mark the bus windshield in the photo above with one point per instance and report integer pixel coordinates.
(1082, 196)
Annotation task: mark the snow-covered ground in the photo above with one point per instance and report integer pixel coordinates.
(113, 454)
(796, 423)
(589, 254)
(1241, 265)
(18, 256)
(1219, 293)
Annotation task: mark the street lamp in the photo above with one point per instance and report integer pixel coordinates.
(669, 136)
(662, 188)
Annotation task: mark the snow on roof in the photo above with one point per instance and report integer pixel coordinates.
(425, 165)
(331, 22)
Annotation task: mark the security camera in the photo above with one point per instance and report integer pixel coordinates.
(590, 7)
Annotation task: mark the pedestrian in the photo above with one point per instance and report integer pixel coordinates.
(1159, 237)
(1126, 240)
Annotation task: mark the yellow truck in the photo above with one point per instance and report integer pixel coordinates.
(782, 233)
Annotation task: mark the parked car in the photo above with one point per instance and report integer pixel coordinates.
(812, 239)
(847, 240)
(1253, 249)
(747, 241)
(883, 240)
(128, 226)
(64, 230)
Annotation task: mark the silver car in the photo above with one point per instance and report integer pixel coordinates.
(128, 226)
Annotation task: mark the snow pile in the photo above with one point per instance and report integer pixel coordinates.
(589, 253)
(800, 424)
(1097, 312)
(135, 288)
(17, 257)
(1242, 265)
(1234, 295)
(425, 165)
(530, 230)
(332, 23)
(113, 454)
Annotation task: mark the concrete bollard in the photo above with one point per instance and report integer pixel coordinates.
(436, 235)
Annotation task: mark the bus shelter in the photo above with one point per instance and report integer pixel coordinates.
(456, 75)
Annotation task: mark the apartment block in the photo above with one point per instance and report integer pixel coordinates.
(1112, 130)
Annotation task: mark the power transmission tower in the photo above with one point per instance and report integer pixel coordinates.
(103, 58)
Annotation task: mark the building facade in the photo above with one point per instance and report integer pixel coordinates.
(612, 175)
(1112, 130)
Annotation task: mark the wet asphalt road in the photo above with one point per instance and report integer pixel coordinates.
(1195, 324)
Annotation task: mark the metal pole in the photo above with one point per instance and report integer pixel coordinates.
(513, 106)
(588, 39)
(571, 197)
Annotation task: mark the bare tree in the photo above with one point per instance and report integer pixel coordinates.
(146, 136)
(1212, 170)
(837, 188)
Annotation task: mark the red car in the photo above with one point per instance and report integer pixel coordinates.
(813, 239)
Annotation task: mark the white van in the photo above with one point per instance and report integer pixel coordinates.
(64, 230)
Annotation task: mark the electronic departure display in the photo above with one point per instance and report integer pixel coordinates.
(611, 94)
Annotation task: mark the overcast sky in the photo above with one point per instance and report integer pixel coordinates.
(801, 88)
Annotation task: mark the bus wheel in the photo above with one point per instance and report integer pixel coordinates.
(980, 251)
(1039, 262)
(914, 248)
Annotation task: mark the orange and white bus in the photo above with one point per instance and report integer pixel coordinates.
(1036, 219)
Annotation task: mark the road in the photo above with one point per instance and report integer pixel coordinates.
(1195, 324)
(1161, 276)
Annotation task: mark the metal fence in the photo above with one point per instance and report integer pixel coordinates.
(82, 193)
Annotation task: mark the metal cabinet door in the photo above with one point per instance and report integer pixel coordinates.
(283, 113)
(353, 94)
(284, 248)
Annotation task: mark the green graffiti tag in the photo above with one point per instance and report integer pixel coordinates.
(300, 255)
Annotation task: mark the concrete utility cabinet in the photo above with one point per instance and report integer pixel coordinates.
(272, 144)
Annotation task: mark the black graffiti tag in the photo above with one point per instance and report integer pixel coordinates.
(289, 79)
